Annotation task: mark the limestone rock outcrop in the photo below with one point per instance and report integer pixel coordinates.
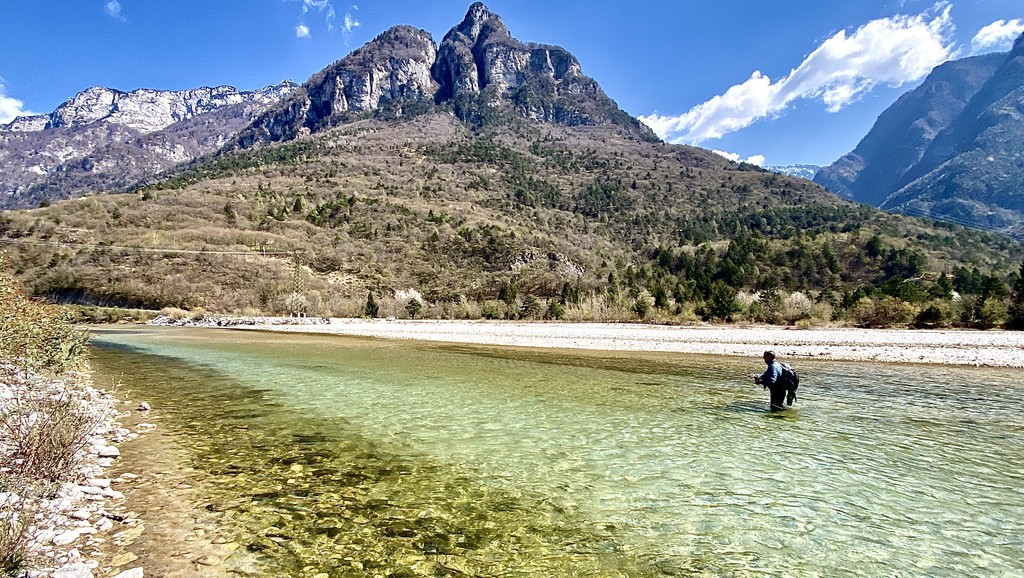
(480, 53)
(391, 69)
(144, 110)
(106, 140)
(479, 68)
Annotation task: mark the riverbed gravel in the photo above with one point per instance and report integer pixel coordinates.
(949, 347)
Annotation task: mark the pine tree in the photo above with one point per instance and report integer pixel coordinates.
(1016, 313)
(371, 306)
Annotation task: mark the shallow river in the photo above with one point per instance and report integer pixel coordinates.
(359, 457)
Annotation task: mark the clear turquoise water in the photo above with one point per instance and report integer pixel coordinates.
(363, 457)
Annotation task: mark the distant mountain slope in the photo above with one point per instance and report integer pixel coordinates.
(952, 149)
(105, 139)
(898, 140)
(802, 171)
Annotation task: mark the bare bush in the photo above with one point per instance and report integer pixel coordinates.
(795, 307)
(48, 415)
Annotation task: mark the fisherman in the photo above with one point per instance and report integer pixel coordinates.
(771, 379)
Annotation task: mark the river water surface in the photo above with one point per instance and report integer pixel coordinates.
(356, 457)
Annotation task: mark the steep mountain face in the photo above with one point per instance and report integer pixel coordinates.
(898, 140)
(104, 139)
(480, 54)
(952, 149)
(478, 67)
(391, 68)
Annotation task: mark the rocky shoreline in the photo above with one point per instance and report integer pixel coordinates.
(73, 520)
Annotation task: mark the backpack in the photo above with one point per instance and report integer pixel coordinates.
(790, 380)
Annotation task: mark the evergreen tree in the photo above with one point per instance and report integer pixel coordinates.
(372, 308)
(413, 307)
(1016, 312)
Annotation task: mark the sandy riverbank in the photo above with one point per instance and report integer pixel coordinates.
(953, 347)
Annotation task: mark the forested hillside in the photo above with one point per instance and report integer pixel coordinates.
(505, 218)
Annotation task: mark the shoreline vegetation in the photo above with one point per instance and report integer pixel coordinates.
(57, 441)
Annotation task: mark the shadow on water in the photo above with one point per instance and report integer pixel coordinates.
(746, 407)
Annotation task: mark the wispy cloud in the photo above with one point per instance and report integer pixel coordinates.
(999, 35)
(113, 8)
(322, 8)
(350, 23)
(11, 108)
(891, 51)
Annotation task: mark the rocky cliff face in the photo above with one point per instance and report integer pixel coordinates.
(480, 60)
(104, 139)
(144, 110)
(480, 53)
(952, 149)
(392, 68)
(479, 67)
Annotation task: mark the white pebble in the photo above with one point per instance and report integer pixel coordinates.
(108, 452)
(76, 570)
(65, 538)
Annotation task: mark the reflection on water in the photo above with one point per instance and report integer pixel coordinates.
(362, 457)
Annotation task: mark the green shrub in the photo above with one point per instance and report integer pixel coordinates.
(555, 311)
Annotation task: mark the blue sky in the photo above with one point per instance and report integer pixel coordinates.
(781, 82)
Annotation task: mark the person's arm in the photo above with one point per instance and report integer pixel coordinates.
(770, 375)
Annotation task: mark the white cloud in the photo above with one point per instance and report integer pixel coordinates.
(302, 31)
(735, 157)
(998, 35)
(113, 8)
(11, 108)
(891, 51)
(350, 23)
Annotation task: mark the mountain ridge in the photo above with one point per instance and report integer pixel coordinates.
(144, 109)
(949, 149)
(104, 139)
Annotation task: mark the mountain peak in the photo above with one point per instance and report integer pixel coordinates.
(479, 66)
(1018, 43)
(478, 17)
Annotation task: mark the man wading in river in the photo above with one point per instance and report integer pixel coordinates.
(771, 379)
